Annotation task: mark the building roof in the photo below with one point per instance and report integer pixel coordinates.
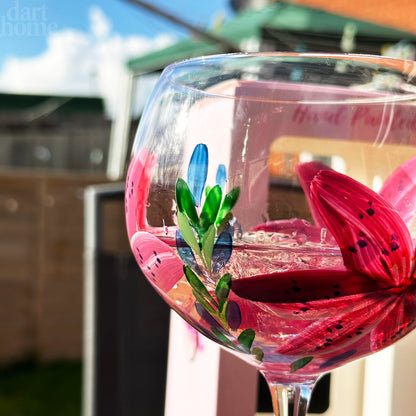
(249, 25)
(398, 14)
(60, 104)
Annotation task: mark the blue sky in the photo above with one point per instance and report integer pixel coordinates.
(16, 17)
(79, 47)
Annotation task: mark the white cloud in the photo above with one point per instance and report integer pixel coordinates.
(80, 63)
(100, 24)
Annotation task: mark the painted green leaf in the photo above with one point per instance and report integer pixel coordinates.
(222, 338)
(204, 302)
(185, 201)
(208, 245)
(298, 364)
(221, 304)
(207, 189)
(188, 233)
(258, 354)
(225, 223)
(210, 209)
(198, 286)
(227, 205)
(223, 287)
(246, 338)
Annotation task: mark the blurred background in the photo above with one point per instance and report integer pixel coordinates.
(74, 77)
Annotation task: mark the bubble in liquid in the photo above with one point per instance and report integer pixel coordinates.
(275, 238)
(249, 237)
(323, 235)
(301, 238)
(238, 233)
(260, 236)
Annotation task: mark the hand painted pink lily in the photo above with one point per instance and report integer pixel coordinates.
(157, 260)
(374, 293)
(137, 190)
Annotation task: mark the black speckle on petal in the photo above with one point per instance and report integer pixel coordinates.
(370, 211)
(394, 246)
(362, 243)
(352, 249)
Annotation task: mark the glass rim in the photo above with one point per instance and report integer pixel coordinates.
(406, 68)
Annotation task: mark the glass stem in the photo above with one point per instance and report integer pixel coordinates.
(280, 399)
(283, 394)
(302, 397)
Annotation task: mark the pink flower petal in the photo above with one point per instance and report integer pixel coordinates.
(399, 322)
(137, 190)
(400, 190)
(372, 237)
(340, 330)
(320, 309)
(133, 175)
(305, 285)
(306, 172)
(158, 261)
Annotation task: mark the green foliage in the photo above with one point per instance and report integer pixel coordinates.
(208, 242)
(187, 233)
(210, 209)
(298, 364)
(223, 287)
(228, 204)
(30, 388)
(216, 211)
(223, 339)
(258, 354)
(198, 287)
(185, 201)
(200, 234)
(246, 339)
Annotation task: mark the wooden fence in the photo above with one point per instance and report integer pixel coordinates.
(41, 265)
